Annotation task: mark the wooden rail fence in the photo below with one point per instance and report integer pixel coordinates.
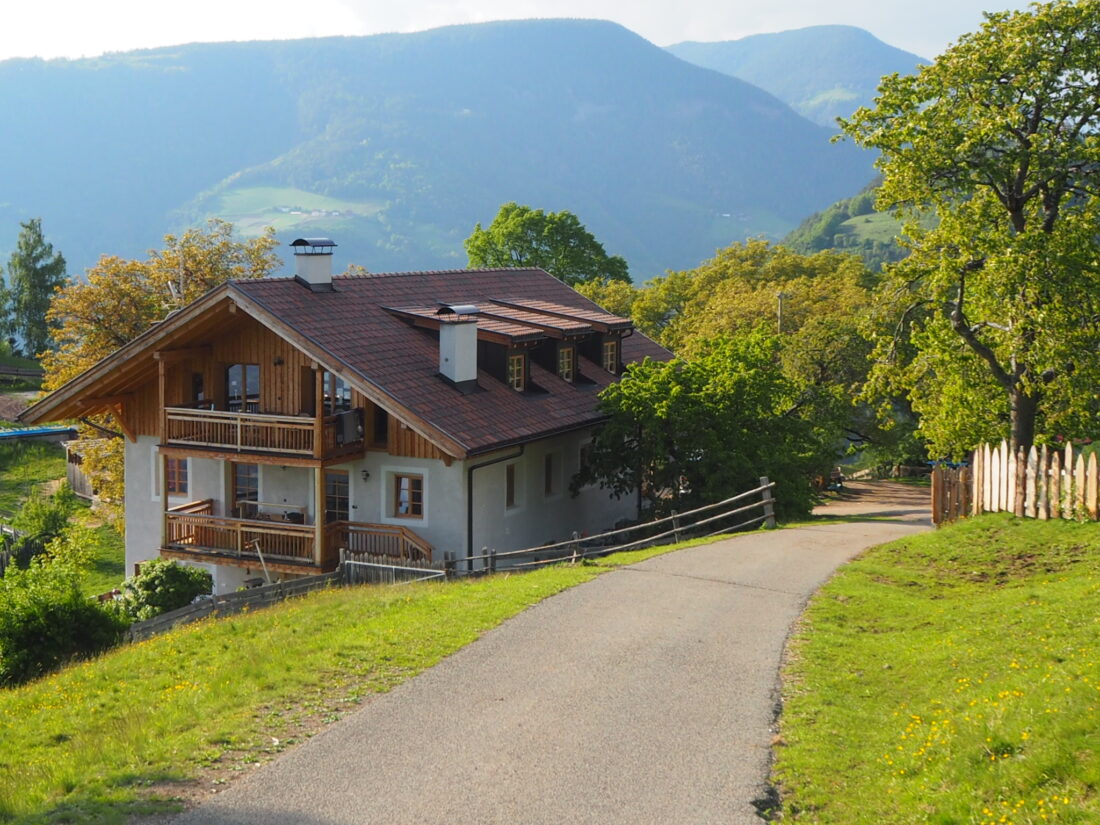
(1040, 483)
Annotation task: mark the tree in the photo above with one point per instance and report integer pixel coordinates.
(120, 299)
(999, 139)
(35, 271)
(161, 586)
(700, 430)
(555, 241)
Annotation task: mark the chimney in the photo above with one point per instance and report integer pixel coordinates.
(313, 261)
(458, 344)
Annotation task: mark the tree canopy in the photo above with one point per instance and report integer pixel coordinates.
(998, 302)
(35, 270)
(120, 299)
(555, 241)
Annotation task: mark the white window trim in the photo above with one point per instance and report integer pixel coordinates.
(386, 502)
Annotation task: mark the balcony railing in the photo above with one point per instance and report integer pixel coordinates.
(257, 432)
(193, 527)
(389, 540)
(238, 537)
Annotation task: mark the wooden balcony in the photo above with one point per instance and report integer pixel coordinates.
(262, 433)
(192, 530)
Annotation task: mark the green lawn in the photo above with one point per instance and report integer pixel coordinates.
(117, 735)
(24, 466)
(950, 678)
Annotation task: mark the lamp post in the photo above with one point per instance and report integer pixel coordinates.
(779, 315)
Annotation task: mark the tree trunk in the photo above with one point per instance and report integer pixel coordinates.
(1024, 408)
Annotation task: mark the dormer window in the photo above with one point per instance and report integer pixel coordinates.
(565, 363)
(611, 356)
(517, 371)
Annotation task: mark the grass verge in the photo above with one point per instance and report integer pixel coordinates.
(131, 731)
(24, 465)
(951, 677)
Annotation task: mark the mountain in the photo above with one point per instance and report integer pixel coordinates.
(396, 145)
(852, 225)
(822, 72)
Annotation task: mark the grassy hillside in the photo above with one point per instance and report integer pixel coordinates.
(950, 678)
(401, 143)
(822, 72)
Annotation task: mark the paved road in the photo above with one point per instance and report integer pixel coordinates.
(645, 696)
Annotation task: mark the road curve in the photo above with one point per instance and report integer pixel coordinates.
(645, 696)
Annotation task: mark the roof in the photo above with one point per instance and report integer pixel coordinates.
(376, 332)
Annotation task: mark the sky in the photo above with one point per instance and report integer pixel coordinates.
(86, 28)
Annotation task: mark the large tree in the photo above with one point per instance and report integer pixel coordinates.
(999, 141)
(689, 432)
(35, 271)
(555, 241)
(118, 301)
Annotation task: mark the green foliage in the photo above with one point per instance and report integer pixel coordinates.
(24, 467)
(35, 271)
(998, 142)
(46, 516)
(555, 241)
(949, 678)
(162, 585)
(694, 432)
(46, 621)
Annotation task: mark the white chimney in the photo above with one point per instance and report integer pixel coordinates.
(313, 261)
(458, 343)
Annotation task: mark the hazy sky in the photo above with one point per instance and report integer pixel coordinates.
(75, 28)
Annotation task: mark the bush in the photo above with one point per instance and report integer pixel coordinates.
(46, 621)
(163, 585)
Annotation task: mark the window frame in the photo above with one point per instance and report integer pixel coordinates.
(177, 472)
(234, 488)
(337, 513)
(567, 363)
(610, 355)
(511, 501)
(415, 480)
(517, 377)
(243, 403)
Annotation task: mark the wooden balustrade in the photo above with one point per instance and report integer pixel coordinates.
(239, 431)
(296, 435)
(390, 540)
(190, 531)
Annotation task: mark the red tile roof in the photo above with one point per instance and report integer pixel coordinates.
(351, 326)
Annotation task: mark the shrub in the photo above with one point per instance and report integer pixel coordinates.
(163, 585)
(46, 621)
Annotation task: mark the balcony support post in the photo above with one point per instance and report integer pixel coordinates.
(318, 515)
(319, 412)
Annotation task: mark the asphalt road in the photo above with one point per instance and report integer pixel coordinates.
(645, 696)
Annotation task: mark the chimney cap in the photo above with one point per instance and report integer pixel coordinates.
(456, 309)
(317, 246)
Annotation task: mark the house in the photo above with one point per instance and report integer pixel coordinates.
(407, 415)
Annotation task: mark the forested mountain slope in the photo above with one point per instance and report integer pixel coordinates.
(397, 144)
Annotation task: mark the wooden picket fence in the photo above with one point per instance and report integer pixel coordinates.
(1038, 483)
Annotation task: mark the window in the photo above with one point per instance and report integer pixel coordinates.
(408, 496)
(242, 388)
(337, 394)
(336, 496)
(585, 458)
(510, 485)
(245, 488)
(565, 363)
(611, 356)
(198, 392)
(517, 371)
(548, 474)
(381, 434)
(175, 473)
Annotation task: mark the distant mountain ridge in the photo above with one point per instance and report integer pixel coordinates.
(395, 145)
(822, 72)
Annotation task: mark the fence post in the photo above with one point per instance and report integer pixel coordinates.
(675, 527)
(449, 565)
(493, 560)
(768, 502)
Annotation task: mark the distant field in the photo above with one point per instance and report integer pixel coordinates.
(254, 208)
(880, 226)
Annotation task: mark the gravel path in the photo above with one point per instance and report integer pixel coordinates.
(645, 696)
